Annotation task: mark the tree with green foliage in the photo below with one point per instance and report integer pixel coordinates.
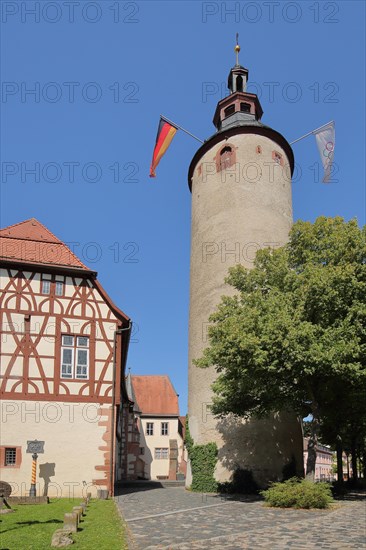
(343, 425)
(294, 334)
(306, 428)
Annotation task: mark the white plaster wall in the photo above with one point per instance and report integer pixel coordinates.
(158, 467)
(72, 437)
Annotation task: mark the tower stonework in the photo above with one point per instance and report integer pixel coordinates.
(240, 180)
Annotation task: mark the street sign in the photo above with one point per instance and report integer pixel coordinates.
(35, 446)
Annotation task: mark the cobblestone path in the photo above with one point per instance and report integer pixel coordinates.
(172, 518)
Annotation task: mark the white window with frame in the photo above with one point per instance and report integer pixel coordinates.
(59, 285)
(75, 357)
(149, 428)
(59, 288)
(161, 453)
(45, 284)
(165, 428)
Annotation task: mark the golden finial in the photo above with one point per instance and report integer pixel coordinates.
(237, 48)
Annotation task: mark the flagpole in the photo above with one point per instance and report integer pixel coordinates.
(180, 128)
(311, 133)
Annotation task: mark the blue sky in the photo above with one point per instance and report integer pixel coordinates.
(103, 72)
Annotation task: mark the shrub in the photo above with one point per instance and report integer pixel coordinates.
(188, 440)
(298, 493)
(203, 461)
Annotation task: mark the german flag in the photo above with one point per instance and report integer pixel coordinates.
(166, 132)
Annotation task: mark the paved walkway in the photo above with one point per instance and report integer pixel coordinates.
(172, 518)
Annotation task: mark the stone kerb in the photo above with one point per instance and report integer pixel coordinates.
(63, 537)
(71, 521)
(78, 510)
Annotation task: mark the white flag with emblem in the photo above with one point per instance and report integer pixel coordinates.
(325, 140)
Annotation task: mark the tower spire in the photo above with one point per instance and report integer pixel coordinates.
(237, 48)
(240, 107)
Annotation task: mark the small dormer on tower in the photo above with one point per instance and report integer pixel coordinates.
(240, 107)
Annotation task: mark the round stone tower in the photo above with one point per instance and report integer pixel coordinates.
(240, 180)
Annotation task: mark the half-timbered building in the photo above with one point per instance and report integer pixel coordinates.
(63, 350)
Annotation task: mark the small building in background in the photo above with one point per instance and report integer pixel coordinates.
(325, 459)
(160, 452)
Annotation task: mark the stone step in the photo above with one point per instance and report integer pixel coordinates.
(176, 483)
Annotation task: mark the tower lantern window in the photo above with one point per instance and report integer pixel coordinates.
(229, 110)
(239, 84)
(245, 107)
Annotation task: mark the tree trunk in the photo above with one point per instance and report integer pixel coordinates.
(364, 465)
(339, 460)
(312, 444)
(354, 461)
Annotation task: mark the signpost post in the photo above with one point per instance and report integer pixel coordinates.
(35, 447)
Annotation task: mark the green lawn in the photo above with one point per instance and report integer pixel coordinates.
(31, 527)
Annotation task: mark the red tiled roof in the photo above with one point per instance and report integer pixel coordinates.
(30, 242)
(155, 395)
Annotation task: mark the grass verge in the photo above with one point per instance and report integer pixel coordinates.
(31, 527)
